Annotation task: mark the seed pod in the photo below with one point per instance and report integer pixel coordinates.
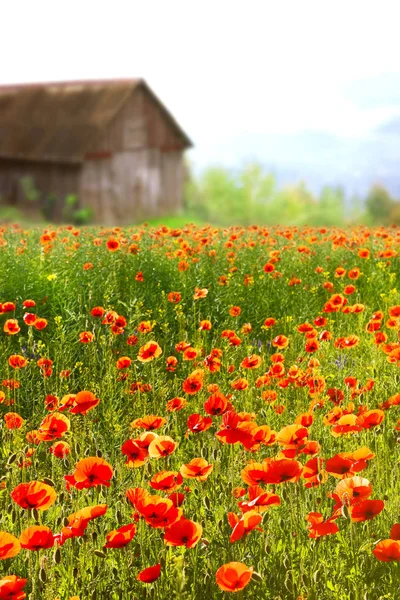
(207, 502)
(99, 453)
(256, 576)
(42, 575)
(57, 556)
(94, 536)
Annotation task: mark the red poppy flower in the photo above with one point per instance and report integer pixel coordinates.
(119, 538)
(387, 550)
(36, 538)
(53, 427)
(167, 481)
(366, 510)
(183, 533)
(150, 574)
(149, 352)
(11, 588)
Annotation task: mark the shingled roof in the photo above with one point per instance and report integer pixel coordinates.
(60, 122)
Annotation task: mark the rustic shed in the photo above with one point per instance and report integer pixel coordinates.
(111, 143)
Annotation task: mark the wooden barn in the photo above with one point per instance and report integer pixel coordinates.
(112, 144)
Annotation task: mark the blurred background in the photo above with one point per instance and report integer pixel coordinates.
(254, 112)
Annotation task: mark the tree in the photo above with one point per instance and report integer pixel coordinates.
(379, 205)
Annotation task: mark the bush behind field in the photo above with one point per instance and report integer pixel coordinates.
(251, 195)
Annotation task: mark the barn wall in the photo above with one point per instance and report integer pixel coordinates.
(141, 123)
(50, 179)
(133, 185)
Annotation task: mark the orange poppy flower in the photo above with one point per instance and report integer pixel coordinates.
(163, 445)
(34, 494)
(198, 468)
(149, 423)
(150, 574)
(149, 352)
(40, 323)
(83, 402)
(9, 545)
(217, 404)
(85, 337)
(16, 361)
(90, 472)
(176, 404)
(11, 327)
(243, 525)
(183, 533)
(370, 418)
(347, 342)
(200, 293)
(78, 521)
(233, 576)
(174, 297)
(251, 362)
(235, 311)
(193, 383)
(13, 420)
(280, 341)
(11, 587)
(351, 490)
(36, 538)
(119, 538)
(259, 500)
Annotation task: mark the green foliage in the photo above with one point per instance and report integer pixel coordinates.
(29, 189)
(379, 205)
(251, 195)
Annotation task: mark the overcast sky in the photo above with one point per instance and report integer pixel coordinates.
(225, 69)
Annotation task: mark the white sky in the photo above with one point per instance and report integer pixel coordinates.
(223, 68)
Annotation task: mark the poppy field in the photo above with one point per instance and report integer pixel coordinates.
(199, 413)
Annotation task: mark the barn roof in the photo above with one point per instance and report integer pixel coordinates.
(60, 122)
